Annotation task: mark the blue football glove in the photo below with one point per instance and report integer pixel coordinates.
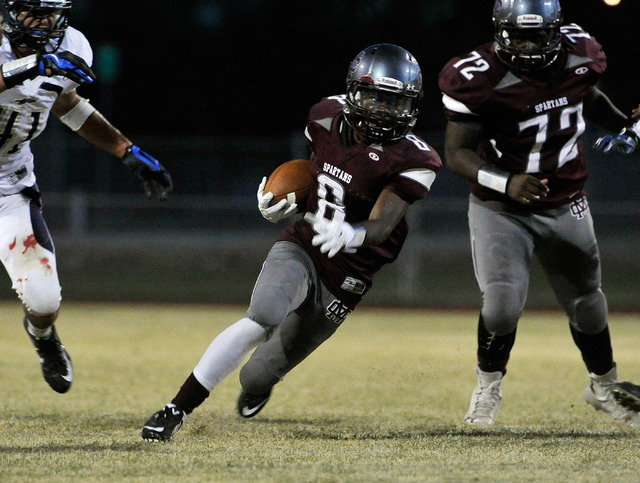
(625, 142)
(155, 179)
(67, 65)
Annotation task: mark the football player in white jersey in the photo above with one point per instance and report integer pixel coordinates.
(42, 62)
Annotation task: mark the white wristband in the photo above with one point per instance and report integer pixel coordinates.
(493, 178)
(635, 128)
(78, 115)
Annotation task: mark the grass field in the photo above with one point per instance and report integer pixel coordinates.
(382, 400)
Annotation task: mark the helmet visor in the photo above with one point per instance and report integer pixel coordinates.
(528, 40)
(382, 102)
(36, 25)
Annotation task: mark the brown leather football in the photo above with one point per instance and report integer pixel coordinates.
(290, 180)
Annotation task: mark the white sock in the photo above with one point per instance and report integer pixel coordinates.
(227, 351)
(38, 333)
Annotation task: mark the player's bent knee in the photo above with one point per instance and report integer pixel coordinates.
(266, 314)
(40, 293)
(501, 311)
(590, 312)
(33, 271)
(500, 323)
(258, 377)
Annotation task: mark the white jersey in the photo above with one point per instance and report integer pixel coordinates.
(24, 111)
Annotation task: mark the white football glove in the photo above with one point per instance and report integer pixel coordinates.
(625, 142)
(282, 209)
(333, 236)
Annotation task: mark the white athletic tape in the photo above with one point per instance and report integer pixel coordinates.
(493, 178)
(78, 114)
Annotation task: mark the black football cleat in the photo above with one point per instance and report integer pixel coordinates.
(54, 360)
(164, 424)
(249, 404)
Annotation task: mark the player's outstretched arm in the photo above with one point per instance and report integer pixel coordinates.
(66, 64)
(156, 180)
(80, 116)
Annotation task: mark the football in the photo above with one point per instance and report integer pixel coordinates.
(290, 180)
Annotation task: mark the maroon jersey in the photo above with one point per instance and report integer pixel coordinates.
(347, 181)
(531, 124)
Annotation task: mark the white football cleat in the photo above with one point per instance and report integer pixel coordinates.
(485, 399)
(600, 394)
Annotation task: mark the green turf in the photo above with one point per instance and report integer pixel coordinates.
(382, 400)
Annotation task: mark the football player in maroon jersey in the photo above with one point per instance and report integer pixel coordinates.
(516, 110)
(367, 168)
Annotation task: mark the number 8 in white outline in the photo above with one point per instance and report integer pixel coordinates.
(328, 184)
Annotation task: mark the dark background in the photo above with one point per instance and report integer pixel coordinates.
(255, 67)
(219, 92)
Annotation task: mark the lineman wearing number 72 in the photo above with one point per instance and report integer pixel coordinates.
(516, 110)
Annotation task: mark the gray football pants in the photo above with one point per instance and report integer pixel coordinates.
(290, 299)
(504, 238)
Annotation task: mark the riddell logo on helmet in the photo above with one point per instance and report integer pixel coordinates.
(389, 82)
(529, 20)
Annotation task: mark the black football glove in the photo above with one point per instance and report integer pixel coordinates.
(155, 179)
(65, 64)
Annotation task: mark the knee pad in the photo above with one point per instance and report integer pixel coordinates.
(265, 312)
(39, 291)
(589, 313)
(30, 264)
(258, 376)
(501, 309)
(35, 279)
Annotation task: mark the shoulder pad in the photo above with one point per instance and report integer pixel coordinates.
(467, 81)
(328, 107)
(583, 49)
(74, 41)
